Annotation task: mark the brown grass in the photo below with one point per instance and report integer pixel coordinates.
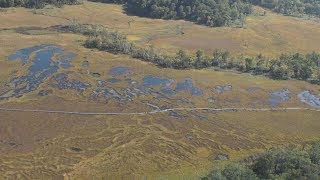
(271, 35)
(135, 147)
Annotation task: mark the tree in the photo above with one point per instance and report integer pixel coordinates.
(276, 163)
(315, 153)
(200, 59)
(238, 172)
(250, 63)
(182, 60)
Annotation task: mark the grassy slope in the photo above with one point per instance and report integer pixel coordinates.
(149, 146)
(263, 34)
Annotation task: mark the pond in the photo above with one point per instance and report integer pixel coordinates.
(309, 99)
(45, 63)
(187, 85)
(279, 96)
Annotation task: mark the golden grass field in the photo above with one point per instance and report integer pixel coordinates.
(151, 146)
(263, 34)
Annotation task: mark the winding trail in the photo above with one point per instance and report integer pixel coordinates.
(152, 112)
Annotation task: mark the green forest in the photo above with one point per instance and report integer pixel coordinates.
(276, 163)
(208, 12)
(215, 12)
(212, 13)
(291, 7)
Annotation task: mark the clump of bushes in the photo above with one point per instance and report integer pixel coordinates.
(276, 163)
(286, 66)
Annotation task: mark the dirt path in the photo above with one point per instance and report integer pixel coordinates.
(154, 112)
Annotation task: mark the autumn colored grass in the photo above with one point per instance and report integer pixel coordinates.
(270, 35)
(48, 146)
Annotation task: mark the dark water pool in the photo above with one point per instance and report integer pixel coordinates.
(24, 54)
(187, 85)
(279, 96)
(64, 83)
(310, 99)
(45, 63)
(168, 91)
(164, 83)
(157, 81)
(42, 61)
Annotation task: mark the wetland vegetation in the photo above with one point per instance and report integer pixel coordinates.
(92, 91)
(286, 66)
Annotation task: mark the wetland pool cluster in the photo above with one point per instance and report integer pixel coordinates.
(47, 61)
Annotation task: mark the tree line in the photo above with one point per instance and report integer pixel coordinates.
(207, 12)
(36, 3)
(287, 66)
(276, 163)
(291, 7)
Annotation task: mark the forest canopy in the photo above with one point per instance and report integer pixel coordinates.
(207, 12)
(276, 163)
(291, 7)
(212, 13)
(215, 12)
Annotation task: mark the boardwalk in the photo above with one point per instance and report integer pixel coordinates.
(152, 112)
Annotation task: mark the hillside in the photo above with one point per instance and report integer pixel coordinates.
(263, 34)
(67, 111)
